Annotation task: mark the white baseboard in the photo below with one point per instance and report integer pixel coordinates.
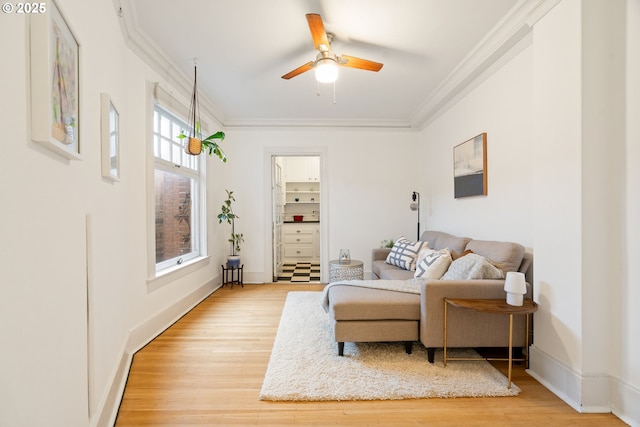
(586, 394)
(140, 336)
(554, 375)
(624, 402)
(108, 407)
(253, 278)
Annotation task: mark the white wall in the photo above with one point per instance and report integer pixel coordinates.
(603, 118)
(46, 203)
(501, 107)
(48, 200)
(626, 364)
(579, 116)
(530, 108)
(557, 191)
(368, 177)
(564, 110)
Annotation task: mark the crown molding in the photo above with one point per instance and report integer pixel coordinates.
(153, 56)
(319, 123)
(511, 35)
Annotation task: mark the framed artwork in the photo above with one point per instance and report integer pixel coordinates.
(110, 138)
(55, 82)
(470, 167)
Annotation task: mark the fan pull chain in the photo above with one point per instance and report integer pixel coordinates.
(334, 92)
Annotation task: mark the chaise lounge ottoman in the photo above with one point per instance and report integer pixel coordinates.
(360, 314)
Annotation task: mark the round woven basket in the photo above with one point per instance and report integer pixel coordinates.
(194, 146)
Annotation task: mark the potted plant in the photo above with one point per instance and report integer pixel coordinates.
(387, 243)
(227, 215)
(195, 143)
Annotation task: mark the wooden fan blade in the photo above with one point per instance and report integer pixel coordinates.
(362, 64)
(299, 70)
(318, 34)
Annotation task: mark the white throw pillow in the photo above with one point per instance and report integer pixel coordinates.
(424, 252)
(404, 253)
(472, 266)
(434, 264)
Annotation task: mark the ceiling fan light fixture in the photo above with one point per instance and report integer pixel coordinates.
(326, 70)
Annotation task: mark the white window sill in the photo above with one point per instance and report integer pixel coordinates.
(169, 275)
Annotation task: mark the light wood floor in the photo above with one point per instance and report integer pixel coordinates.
(207, 370)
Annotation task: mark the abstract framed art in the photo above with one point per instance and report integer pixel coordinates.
(470, 167)
(55, 82)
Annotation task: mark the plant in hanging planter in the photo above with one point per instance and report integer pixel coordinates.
(194, 137)
(227, 215)
(195, 145)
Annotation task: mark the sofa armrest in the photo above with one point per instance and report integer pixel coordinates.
(378, 254)
(433, 293)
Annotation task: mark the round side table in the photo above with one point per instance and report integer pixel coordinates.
(351, 270)
(495, 306)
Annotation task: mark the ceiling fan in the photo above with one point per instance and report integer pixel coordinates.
(326, 61)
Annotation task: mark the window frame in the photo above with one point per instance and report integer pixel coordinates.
(166, 271)
(195, 221)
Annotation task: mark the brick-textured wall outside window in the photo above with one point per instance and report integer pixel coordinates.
(173, 215)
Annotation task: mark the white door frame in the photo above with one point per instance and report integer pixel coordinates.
(321, 153)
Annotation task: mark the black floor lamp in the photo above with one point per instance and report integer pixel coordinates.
(415, 206)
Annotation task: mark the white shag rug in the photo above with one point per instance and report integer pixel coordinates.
(305, 366)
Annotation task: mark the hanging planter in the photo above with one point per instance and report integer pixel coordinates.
(194, 146)
(194, 141)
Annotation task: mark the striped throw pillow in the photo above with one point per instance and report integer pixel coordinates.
(404, 253)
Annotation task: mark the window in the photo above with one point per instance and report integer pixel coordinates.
(178, 194)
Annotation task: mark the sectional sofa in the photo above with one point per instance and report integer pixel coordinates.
(363, 313)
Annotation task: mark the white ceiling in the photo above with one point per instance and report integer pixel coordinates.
(245, 46)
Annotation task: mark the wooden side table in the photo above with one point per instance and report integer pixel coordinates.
(495, 306)
(232, 275)
(351, 270)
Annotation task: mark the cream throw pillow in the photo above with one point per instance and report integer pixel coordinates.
(424, 252)
(472, 266)
(434, 264)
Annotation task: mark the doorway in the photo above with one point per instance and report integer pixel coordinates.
(297, 206)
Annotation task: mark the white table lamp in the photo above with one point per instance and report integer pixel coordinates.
(515, 286)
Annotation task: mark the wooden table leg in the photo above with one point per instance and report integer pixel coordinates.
(510, 347)
(526, 342)
(444, 335)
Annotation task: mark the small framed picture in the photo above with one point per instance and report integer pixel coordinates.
(470, 167)
(110, 138)
(55, 82)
